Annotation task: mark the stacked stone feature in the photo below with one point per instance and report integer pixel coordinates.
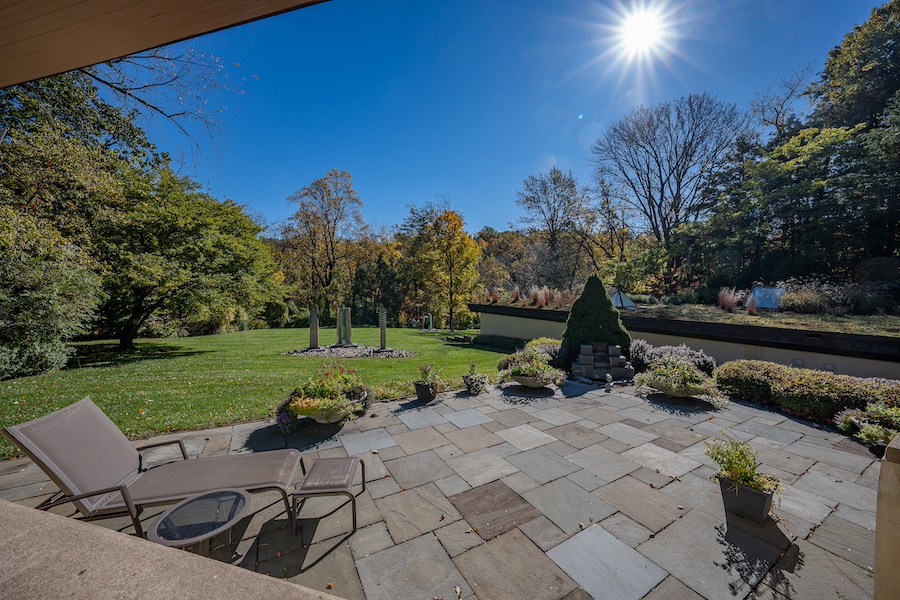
(597, 360)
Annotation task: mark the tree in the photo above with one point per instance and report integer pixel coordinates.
(457, 261)
(563, 216)
(314, 248)
(181, 251)
(660, 158)
(48, 293)
(593, 318)
(862, 73)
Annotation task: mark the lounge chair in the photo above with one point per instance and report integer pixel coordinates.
(104, 475)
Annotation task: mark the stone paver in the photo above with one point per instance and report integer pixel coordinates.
(544, 533)
(647, 506)
(473, 438)
(420, 440)
(366, 441)
(411, 513)
(420, 418)
(605, 567)
(846, 540)
(542, 465)
(493, 509)
(418, 469)
(419, 568)
(569, 506)
(603, 463)
(468, 418)
(576, 435)
(481, 467)
(526, 572)
(525, 437)
(662, 460)
(712, 558)
(626, 434)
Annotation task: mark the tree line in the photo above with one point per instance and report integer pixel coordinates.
(100, 235)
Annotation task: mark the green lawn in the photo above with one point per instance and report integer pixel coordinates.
(197, 382)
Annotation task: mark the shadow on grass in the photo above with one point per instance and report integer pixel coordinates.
(109, 354)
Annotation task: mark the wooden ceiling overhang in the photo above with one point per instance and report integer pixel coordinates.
(39, 38)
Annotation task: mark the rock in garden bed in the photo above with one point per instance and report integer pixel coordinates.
(351, 352)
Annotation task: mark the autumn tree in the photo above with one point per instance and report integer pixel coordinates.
(456, 258)
(314, 250)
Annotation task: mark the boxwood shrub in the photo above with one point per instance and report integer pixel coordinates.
(817, 395)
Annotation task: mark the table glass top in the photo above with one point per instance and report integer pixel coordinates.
(201, 515)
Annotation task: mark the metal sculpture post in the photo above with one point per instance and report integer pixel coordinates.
(314, 328)
(382, 324)
(339, 325)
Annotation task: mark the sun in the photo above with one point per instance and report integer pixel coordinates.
(642, 33)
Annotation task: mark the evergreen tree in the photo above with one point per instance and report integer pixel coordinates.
(593, 318)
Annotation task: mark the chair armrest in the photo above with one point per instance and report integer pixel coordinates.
(129, 503)
(158, 444)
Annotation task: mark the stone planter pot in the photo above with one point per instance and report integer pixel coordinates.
(326, 419)
(423, 391)
(529, 382)
(745, 501)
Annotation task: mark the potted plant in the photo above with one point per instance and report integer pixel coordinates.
(677, 377)
(474, 381)
(431, 384)
(745, 491)
(337, 394)
(535, 373)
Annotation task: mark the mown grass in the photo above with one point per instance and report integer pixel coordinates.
(860, 324)
(193, 383)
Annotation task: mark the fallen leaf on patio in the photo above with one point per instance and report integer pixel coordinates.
(651, 485)
(657, 470)
(330, 585)
(471, 530)
(581, 526)
(458, 590)
(387, 477)
(680, 507)
(278, 554)
(443, 517)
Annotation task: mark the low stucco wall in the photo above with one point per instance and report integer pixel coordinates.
(48, 556)
(887, 533)
(525, 328)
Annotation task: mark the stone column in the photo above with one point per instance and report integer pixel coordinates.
(314, 328)
(382, 324)
(340, 333)
(348, 327)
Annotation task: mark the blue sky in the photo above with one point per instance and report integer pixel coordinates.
(422, 100)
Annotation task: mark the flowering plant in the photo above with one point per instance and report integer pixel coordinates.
(336, 394)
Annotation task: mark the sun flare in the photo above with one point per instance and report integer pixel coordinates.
(642, 32)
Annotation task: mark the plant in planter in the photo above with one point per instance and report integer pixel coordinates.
(431, 384)
(877, 425)
(474, 381)
(336, 395)
(535, 372)
(677, 377)
(745, 491)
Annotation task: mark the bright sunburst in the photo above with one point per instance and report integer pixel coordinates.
(642, 33)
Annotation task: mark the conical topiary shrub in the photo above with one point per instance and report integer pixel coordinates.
(593, 318)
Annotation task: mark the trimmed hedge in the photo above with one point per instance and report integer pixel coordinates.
(499, 341)
(817, 395)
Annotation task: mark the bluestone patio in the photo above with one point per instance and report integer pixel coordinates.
(573, 493)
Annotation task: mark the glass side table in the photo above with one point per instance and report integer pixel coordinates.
(199, 518)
